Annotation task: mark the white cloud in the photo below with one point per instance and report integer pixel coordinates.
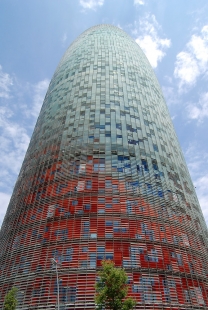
(4, 201)
(201, 188)
(19, 108)
(14, 141)
(30, 98)
(186, 69)
(39, 93)
(149, 40)
(91, 4)
(14, 129)
(199, 110)
(168, 92)
(140, 2)
(197, 161)
(5, 84)
(64, 38)
(193, 60)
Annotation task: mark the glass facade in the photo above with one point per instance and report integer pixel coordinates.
(104, 178)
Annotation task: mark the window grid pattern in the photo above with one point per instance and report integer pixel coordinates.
(104, 178)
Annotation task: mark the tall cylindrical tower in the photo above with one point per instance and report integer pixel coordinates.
(104, 178)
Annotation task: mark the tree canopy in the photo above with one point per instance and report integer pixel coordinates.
(112, 288)
(10, 301)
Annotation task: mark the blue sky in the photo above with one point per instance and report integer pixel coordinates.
(35, 34)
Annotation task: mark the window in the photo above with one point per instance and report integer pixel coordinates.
(80, 186)
(100, 253)
(34, 232)
(61, 233)
(155, 147)
(108, 184)
(144, 227)
(101, 211)
(163, 148)
(129, 209)
(187, 297)
(86, 226)
(136, 288)
(92, 236)
(129, 280)
(83, 264)
(149, 188)
(175, 239)
(109, 235)
(118, 126)
(39, 268)
(150, 233)
(145, 165)
(126, 263)
(167, 294)
(154, 164)
(60, 187)
(101, 249)
(74, 202)
(82, 168)
(149, 258)
(88, 184)
(180, 261)
(68, 256)
(96, 167)
(67, 214)
(171, 283)
(173, 254)
(87, 207)
(108, 205)
(100, 126)
(69, 294)
(99, 164)
(109, 256)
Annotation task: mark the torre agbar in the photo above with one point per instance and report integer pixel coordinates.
(104, 178)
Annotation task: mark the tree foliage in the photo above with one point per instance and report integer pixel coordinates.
(112, 289)
(10, 301)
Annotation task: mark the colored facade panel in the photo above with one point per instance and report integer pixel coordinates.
(104, 178)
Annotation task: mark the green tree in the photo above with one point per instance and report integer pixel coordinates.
(112, 288)
(10, 301)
